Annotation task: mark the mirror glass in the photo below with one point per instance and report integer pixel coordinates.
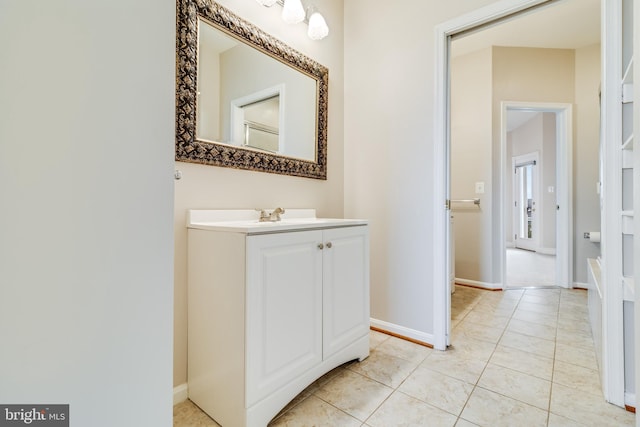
(245, 99)
(249, 99)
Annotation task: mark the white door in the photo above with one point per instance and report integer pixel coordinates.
(525, 195)
(345, 287)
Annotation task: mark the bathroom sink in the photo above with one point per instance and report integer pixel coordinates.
(246, 222)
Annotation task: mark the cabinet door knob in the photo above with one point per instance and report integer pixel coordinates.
(320, 246)
(329, 245)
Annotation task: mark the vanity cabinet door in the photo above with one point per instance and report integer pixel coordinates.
(346, 287)
(283, 309)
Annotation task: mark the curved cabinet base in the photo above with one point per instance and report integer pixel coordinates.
(264, 411)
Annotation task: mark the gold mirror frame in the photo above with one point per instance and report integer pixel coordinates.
(188, 147)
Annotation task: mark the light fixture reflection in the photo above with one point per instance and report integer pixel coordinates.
(267, 3)
(293, 12)
(318, 28)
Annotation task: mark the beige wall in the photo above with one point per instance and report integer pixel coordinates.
(586, 157)
(389, 110)
(471, 162)
(209, 187)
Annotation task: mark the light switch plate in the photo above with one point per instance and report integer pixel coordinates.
(479, 187)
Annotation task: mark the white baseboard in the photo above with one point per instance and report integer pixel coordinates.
(630, 399)
(580, 285)
(476, 284)
(403, 331)
(546, 251)
(180, 393)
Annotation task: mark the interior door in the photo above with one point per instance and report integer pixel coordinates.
(525, 215)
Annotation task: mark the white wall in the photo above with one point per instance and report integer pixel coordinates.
(210, 187)
(86, 161)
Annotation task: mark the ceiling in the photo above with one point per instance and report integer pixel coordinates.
(563, 24)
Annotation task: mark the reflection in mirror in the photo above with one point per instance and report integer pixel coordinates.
(245, 99)
(234, 77)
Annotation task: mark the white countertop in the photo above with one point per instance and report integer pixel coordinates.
(247, 221)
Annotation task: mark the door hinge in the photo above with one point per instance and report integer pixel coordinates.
(447, 204)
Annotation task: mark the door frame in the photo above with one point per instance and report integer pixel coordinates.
(564, 185)
(613, 373)
(441, 150)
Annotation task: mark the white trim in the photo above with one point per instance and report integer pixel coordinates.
(402, 331)
(611, 229)
(636, 195)
(580, 285)
(441, 259)
(630, 399)
(476, 284)
(180, 393)
(545, 251)
(564, 184)
(237, 114)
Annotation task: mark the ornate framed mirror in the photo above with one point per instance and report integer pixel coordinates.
(245, 99)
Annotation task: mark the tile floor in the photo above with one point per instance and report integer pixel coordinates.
(527, 268)
(519, 358)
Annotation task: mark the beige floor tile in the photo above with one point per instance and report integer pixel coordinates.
(404, 349)
(448, 363)
(400, 410)
(583, 379)
(376, 338)
(576, 307)
(534, 317)
(559, 421)
(522, 361)
(516, 385)
(578, 356)
(470, 348)
(470, 329)
(550, 298)
(187, 414)
(532, 329)
(353, 393)
(496, 309)
(575, 338)
(490, 319)
(576, 317)
(384, 368)
(314, 412)
(571, 324)
(486, 408)
(587, 409)
(465, 423)
(539, 346)
(442, 391)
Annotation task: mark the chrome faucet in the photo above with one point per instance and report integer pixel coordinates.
(270, 217)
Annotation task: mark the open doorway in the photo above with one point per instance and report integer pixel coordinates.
(488, 182)
(530, 230)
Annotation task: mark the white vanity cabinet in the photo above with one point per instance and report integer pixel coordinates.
(271, 309)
